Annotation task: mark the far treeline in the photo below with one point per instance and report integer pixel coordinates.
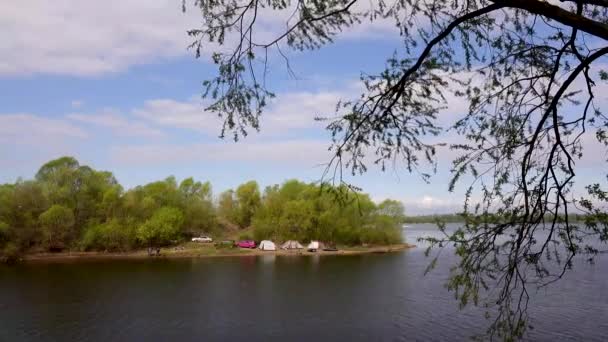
(486, 218)
(73, 207)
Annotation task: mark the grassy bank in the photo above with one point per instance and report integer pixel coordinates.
(195, 250)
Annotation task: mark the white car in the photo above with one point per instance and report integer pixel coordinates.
(202, 239)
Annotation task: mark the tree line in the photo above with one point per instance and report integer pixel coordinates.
(68, 206)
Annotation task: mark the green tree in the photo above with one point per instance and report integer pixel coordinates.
(197, 204)
(113, 235)
(57, 227)
(58, 171)
(528, 71)
(296, 221)
(393, 209)
(114, 220)
(112, 202)
(227, 206)
(25, 200)
(162, 228)
(76, 186)
(4, 233)
(297, 210)
(248, 199)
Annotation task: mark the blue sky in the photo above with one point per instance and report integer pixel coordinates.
(112, 84)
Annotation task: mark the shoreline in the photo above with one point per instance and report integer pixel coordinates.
(204, 251)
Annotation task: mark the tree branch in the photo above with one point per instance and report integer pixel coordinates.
(559, 14)
(602, 3)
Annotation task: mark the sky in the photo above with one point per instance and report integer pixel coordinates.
(113, 84)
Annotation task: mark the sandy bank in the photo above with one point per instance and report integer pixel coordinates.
(206, 251)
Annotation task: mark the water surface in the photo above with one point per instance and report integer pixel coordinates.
(379, 297)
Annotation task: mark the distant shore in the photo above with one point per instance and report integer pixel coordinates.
(207, 251)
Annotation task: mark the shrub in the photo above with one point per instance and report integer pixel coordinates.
(162, 228)
(111, 236)
(57, 226)
(245, 236)
(10, 253)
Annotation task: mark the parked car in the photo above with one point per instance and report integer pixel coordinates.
(246, 244)
(202, 239)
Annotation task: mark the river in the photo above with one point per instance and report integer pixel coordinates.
(379, 297)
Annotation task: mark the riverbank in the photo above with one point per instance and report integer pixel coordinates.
(193, 250)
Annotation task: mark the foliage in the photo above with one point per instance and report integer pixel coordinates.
(57, 226)
(227, 206)
(4, 233)
(112, 236)
(299, 211)
(162, 228)
(197, 204)
(248, 201)
(245, 236)
(73, 207)
(10, 253)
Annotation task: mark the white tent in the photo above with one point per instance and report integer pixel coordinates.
(291, 244)
(267, 245)
(313, 246)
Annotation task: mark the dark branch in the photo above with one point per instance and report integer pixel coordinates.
(558, 14)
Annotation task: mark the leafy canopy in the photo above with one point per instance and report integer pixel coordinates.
(163, 227)
(73, 207)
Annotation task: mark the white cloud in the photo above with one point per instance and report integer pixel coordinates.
(76, 104)
(89, 37)
(298, 110)
(288, 111)
(27, 141)
(118, 124)
(427, 204)
(29, 129)
(307, 153)
(179, 114)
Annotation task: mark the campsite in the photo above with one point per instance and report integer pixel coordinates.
(225, 248)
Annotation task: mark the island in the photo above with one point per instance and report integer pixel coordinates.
(71, 210)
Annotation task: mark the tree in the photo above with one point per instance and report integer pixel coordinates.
(4, 233)
(393, 209)
(57, 227)
(199, 213)
(248, 200)
(112, 201)
(296, 210)
(78, 187)
(162, 228)
(113, 235)
(227, 206)
(529, 71)
(26, 200)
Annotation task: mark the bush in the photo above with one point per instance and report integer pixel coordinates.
(245, 236)
(4, 229)
(162, 228)
(10, 253)
(111, 236)
(310, 212)
(224, 244)
(57, 226)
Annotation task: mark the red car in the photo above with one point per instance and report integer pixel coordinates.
(246, 244)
